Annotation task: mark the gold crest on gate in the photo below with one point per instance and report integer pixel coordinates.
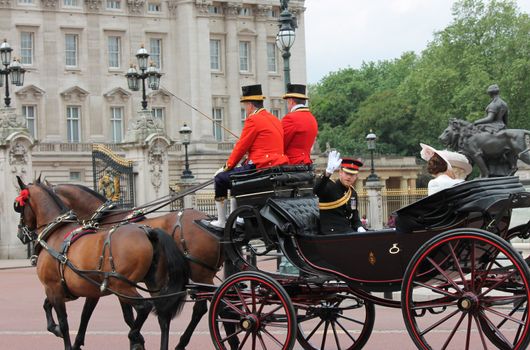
(371, 258)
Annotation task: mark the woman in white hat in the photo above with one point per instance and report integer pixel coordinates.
(448, 168)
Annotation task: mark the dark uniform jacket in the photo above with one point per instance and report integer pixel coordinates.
(342, 219)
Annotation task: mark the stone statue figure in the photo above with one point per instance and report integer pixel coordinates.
(487, 142)
(284, 4)
(494, 154)
(496, 113)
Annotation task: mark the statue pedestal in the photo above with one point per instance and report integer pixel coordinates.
(146, 144)
(375, 204)
(15, 159)
(183, 184)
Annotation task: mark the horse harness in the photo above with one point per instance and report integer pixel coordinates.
(185, 250)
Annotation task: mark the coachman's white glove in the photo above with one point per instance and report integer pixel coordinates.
(219, 171)
(361, 229)
(334, 162)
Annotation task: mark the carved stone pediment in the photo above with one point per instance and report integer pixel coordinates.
(136, 6)
(74, 94)
(29, 93)
(93, 5)
(117, 95)
(159, 96)
(247, 32)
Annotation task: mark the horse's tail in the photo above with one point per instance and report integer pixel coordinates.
(178, 273)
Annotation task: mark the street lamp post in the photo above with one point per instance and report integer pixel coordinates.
(150, 73)
(285, 38)
(185, 132)
(10, 68)
(370, 141)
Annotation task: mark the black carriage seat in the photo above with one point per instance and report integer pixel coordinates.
(452, 205)
(255, 187)
(298, 216)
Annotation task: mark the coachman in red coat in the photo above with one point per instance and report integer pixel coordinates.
(300, 127)
(261, 140)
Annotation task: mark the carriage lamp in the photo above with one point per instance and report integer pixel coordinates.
(150, 73)
(370, 142)
(12, 68)
(185, 133)
(285, 39)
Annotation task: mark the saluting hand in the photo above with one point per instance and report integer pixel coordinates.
(334, 162)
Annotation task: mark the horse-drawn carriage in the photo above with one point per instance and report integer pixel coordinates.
(450, 256)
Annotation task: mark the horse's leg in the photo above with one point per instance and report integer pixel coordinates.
(88, 308)
(136, 339)
(199, 309)
(164, 321)
(142, 311)
(60, 310)
(51, 325)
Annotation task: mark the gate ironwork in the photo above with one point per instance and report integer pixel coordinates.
(113, 176)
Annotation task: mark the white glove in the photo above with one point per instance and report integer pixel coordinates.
(334, 162)
(219, 171)
(361, 229)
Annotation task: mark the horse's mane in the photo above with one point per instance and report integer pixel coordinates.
(88, 190)
(56, 198)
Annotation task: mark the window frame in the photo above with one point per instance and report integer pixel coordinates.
(112, 8)
(219, 55)
(269, 57)
(217, 130)
(160, 54)
(31, 49)
(76, 36)
(117, 53)
(70, 121)
(248, 57)
(24, 112)
(116, 132)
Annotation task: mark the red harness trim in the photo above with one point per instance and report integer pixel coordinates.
(22, 197)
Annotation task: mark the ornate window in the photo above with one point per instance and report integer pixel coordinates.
(30, 114)
(71, 49)
(154, 7)
(114, 46)
(73, 124)
(217, 114)
(215, 54)
(27, 43)
(116, 124)
(244, 56)
(155, 51)
(113, 4)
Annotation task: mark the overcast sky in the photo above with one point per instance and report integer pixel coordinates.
(344, 33)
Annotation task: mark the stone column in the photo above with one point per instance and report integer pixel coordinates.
(233, 113)
(375, 204)
(15, 159)
(146, 145)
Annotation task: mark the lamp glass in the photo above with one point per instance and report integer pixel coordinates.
(5, 53)
(370, 141)
(285, 38)
(15, 71)
(142, 55)
(185, 133)
(153, 78)
(132, 79)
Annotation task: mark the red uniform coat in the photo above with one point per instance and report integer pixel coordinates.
(262, 139)
(300, 130)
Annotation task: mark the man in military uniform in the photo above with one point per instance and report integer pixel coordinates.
(338, 199)
(496, 112)
(261, 140)
(300, 127)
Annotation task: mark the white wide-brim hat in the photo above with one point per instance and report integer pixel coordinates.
(453, 159)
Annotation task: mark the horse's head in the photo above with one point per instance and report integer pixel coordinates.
(27, 225)
(36, 204)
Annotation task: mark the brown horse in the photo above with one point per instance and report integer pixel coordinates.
(100, 263)
(202, 249)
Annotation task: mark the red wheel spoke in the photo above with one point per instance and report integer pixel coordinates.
(227, 320)
(240, 296)
(346, 332)
(335, 335)
(432, 304)
(315, 329)
(497, 283)
(468, 333)
(514, 309)
(272, 337)
(436, 289)
(503, 300)
(452, 334)
(325, 335)
(457, 265)
(350, 319)
(245, 338)
(231, 336)
(233, 307)
(447, 277)
(504, 316)
(439, 322)
(498, 333)
(260, 338)
(481, 333)
(262, 317)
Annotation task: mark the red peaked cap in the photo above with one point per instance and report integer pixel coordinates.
(351, 165)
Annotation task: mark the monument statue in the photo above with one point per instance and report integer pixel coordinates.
(487, 142)
(284, 4)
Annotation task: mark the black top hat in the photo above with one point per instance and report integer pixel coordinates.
(351, 165)
(295, 91)
(252, 93)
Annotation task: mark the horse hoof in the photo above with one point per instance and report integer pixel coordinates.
(137, 347)
(56, 331)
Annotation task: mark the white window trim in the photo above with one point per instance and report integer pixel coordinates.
(77, 55)
(32, 55)
(249, 57)
(219, 55)
(120, 49)
(114, 121)
(80, 110)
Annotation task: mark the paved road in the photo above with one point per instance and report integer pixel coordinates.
(23, 324)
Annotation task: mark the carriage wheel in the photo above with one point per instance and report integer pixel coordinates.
(342, 321)
(464, 287)
(251, 310)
